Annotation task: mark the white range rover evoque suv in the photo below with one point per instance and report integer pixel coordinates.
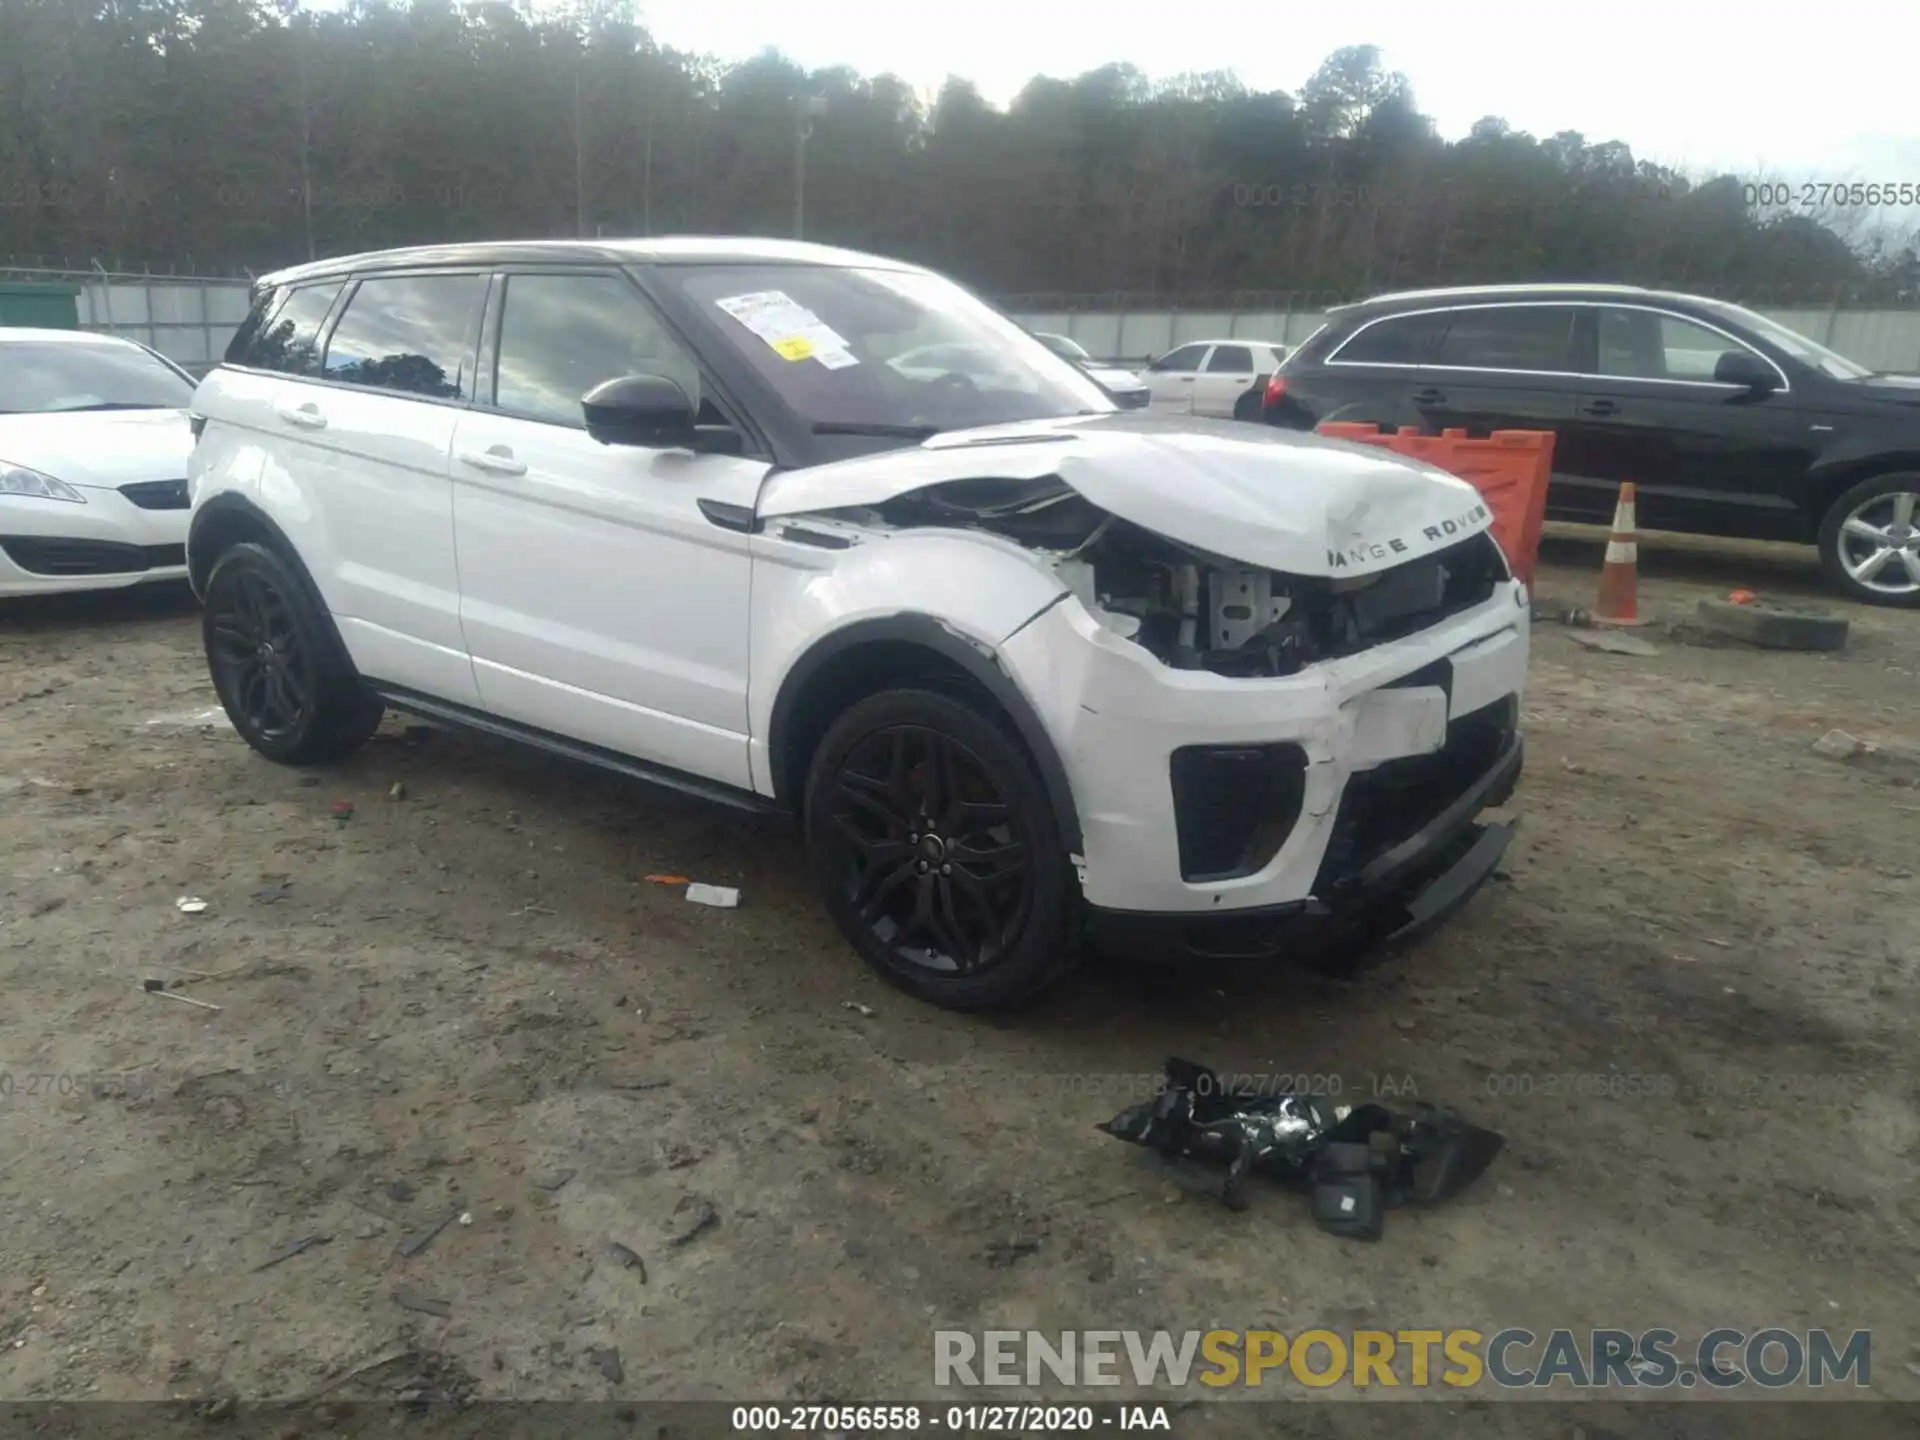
(1028, 669)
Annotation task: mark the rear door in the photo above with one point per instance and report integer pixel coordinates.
(1369, 378)
(604, 588)
(1503, 367)
(361, 484)
(1228, 375)
(1171, 378)
(1704, 456)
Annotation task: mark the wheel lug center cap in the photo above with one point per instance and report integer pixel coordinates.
(932, 849)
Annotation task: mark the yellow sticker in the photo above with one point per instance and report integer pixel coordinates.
(794, 347)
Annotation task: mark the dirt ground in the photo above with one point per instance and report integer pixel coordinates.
(464, 999)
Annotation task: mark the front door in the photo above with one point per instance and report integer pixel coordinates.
(1171, 378)
(1704, 456)
(599, 600)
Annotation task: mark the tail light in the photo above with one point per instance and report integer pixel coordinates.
(1276, 391)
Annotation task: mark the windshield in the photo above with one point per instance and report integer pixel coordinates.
(43, 377)
(884, 351)
(1797, 345)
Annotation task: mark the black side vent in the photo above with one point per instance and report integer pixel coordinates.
(1234, 806)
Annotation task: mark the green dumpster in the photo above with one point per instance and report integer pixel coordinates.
(50, 306)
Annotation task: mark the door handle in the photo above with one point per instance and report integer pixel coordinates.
(1186, 379)
(495, 460)
(1600, 407)
(1429, 396)
(306, 416)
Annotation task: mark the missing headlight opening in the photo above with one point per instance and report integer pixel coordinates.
(1194, 611)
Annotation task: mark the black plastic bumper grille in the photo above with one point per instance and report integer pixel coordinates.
(39, 556)
(157, 494)
(1395, 800)
(1234, 806)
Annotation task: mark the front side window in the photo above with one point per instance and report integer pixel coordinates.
(1510, 337)
(287, 340)
(1808, 352)
(408, 333)
(864, 350)
(1230, 360)
(1183, 361)
(45, 377)
(561, 335)
(1397, 340)
(1648, 345)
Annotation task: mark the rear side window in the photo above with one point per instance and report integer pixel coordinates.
(1396, 340)
(283, 331)
(1230, 360)
(411, 333)
(1515, 337)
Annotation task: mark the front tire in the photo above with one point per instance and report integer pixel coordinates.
(1870, 540)
(281, 674)
(938, 851)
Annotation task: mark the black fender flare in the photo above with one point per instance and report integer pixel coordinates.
(230, 505)
(930, 634)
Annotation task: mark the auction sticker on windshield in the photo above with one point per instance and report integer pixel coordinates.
(791, 331)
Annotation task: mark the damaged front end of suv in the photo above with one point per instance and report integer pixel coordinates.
(1281, 674)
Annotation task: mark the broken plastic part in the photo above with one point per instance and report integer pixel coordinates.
(1358, 1161)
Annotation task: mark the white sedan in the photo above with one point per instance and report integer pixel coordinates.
(94, 440)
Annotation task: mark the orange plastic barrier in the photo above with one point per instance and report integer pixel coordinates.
(1509, 468)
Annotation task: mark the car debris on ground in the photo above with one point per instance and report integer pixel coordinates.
(1357, 1161)
(723, 897)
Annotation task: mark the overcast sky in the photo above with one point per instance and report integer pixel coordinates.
(1759, 87)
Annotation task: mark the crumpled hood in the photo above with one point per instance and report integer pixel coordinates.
(101, 449)
(1277, 499)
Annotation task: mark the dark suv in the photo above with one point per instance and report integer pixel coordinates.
(1727, 422)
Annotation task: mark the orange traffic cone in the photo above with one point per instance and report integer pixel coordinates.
(1619, 577)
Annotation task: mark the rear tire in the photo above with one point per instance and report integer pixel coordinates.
(939, 852)
(1870, 540)
(280, 671)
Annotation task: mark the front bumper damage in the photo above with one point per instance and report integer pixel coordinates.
(1358, 822)
(1397, 897)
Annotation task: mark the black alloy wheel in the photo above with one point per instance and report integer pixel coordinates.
(276, 664)
(939, 851)
(254, 648)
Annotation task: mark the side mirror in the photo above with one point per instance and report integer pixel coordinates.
(648, 410)
(1744, 368)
